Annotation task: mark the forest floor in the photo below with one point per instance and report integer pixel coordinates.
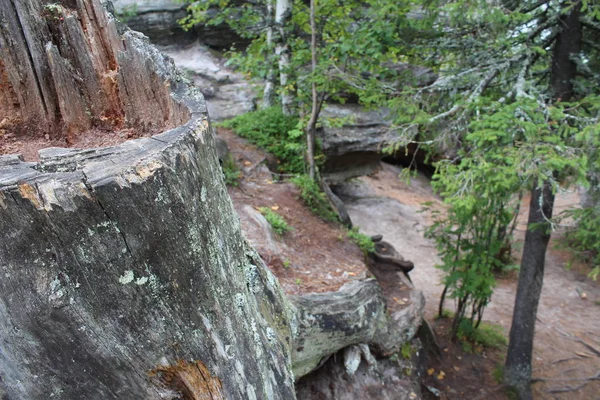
(567, 341)
(317, 256)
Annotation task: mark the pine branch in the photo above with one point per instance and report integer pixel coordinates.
(482, 85)
(590, 23)
(533, 7)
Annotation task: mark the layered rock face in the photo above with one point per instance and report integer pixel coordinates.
(159, 20)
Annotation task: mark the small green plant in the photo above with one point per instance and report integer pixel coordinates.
(128, 12)
(407, 351)
(276, 133)
(275, 220)
(486, 335)
(286, 264)
(314, 198)
(445, 314)
(498, 373)
(231, 172)
(298, 281)
(363, 241)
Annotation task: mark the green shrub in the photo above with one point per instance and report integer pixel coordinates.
(486, 335)
(275, 220)
(314, 199)
(276, 133)
(231, 172)
(584, 239)
(363, 241)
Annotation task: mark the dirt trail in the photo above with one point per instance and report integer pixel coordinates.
(567, 325)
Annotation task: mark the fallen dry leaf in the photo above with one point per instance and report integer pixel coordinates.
(247, 163)
(456, 368)
(441, 375)
(275, 208)
(430, 371)
(351, 274)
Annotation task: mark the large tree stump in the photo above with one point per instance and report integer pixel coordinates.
(124, 271)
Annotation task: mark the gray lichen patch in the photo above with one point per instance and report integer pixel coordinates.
(126, 278)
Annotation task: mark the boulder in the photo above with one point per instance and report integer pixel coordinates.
(354, 148)
(228, 92)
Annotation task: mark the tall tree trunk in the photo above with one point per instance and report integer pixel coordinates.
(269, 91)
(517, 370)
(311, 128)
(283, 14)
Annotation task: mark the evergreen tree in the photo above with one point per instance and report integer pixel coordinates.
(517, 96)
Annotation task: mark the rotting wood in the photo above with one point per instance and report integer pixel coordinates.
(191, 380)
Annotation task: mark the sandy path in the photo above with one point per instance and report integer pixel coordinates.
(383, 204)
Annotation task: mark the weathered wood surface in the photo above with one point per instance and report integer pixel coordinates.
(65, 67)
(357, 313)
(123, 261)
(124, 271)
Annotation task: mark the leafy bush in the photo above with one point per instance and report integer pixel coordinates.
(231, 172)
(314, 198)
(483, 335)
(363, 241)
(275, 220)
(276, 133)
(584, 239)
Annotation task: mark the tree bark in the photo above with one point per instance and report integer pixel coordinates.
(283, 14)
(517, 370)
(269, 91)
(125, 273)
(311, 128)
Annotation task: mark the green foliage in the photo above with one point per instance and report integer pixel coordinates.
(406, 351)
(498, 373)
(128, 12)
(274, 132)
(358, 43)
(486, 335)
(275, 220)
(509, 148)
(314, 198)
(584, 238)
(231, 172)
(363, 241)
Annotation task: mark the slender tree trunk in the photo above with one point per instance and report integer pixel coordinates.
(283, 14)
(269, 92)
(517, 370)
(314, 114)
